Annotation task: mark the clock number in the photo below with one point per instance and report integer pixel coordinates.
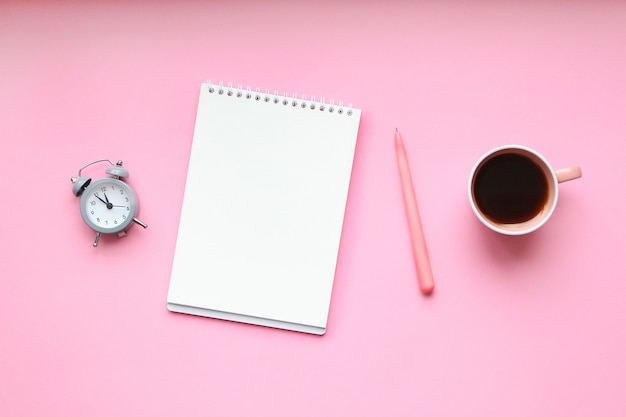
(115, 222)
(92, 202)
(103, 189)
(124, 216)
(121, 191)
(93, 212)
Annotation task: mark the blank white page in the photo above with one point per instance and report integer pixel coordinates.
(263, 209)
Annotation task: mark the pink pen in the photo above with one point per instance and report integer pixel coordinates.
(420, 254)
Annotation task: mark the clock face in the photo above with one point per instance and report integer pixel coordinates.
(108, 205)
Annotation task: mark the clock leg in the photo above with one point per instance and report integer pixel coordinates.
(140, 223)
(95, 243)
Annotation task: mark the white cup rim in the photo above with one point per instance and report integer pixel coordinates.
(518, 228)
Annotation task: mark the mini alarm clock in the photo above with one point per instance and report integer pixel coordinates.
(108, 205)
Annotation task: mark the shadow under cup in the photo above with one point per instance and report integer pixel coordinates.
(513, 190)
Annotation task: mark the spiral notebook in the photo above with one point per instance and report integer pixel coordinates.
(263, 208)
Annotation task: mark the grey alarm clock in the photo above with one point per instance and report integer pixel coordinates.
(107, 205)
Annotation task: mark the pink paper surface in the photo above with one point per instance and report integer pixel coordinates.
(517, 326)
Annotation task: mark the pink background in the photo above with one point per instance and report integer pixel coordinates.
(517, 326)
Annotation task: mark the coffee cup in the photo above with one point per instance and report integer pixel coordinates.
(513, 190)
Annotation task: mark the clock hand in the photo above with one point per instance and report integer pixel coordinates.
(109, 205)
(98, 197)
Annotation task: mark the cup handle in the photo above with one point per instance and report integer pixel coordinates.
(568, 174)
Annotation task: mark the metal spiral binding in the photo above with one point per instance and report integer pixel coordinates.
(276, 98)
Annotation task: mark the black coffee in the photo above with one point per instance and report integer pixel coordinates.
(510, 188)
